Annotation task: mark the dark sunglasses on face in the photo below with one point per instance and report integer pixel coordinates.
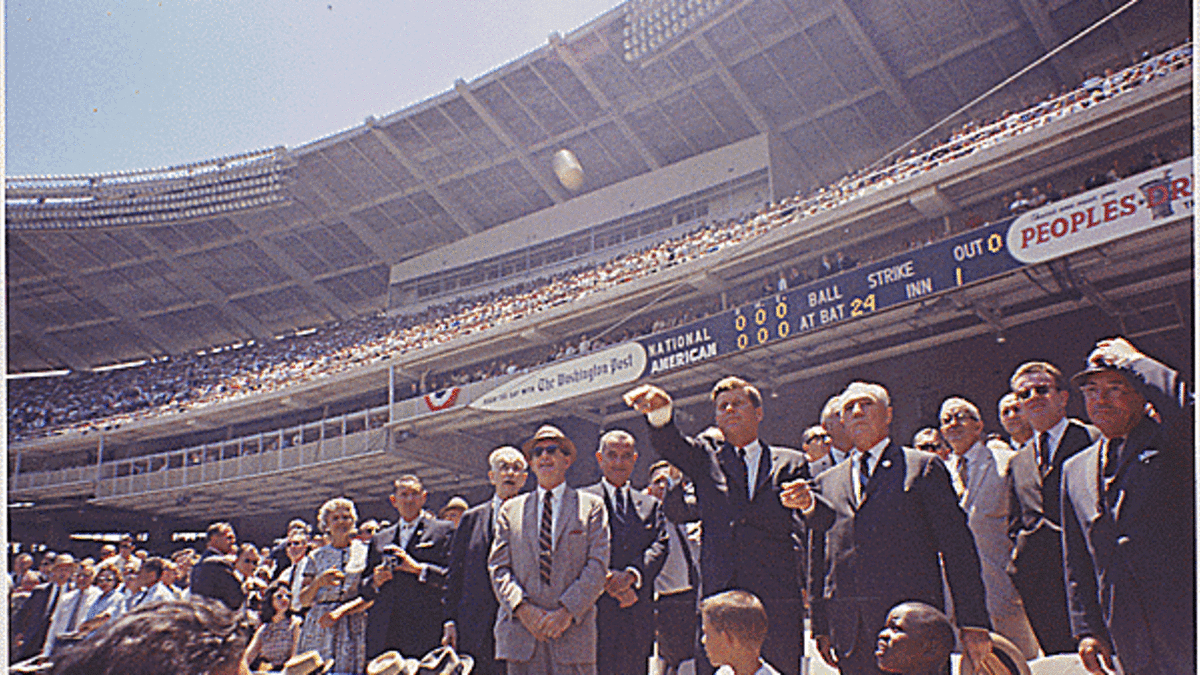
(1027, 393)
(540, 450)
(961, 416)
(929, 447)
(817, 438)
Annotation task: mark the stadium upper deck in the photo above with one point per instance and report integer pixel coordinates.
(104, 401)
(111, 268)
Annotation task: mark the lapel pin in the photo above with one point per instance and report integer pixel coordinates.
(887, 463)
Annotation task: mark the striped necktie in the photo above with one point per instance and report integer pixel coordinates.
(545, 537)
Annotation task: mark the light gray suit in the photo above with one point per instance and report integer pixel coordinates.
(579, 565)
(986, 501)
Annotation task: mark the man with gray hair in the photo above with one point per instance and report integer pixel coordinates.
(885, 523)
(984, 485)
(638, 548)
(831, 421)
(470, 603)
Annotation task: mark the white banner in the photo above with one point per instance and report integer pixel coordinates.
(1137, 203)
(614, 366)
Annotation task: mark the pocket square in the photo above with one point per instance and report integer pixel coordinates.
(424, 544)
(1147, 454)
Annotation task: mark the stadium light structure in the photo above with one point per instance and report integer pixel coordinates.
(148, 196)
(650, 24)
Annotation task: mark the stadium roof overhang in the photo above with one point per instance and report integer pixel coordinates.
(1125, 123)
(101, 272)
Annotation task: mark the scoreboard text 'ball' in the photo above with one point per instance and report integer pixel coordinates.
(568, 170)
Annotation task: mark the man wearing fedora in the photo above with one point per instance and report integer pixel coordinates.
(470, 603)
(548, 566)
(1128, 517)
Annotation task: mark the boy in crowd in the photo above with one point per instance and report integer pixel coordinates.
(735, 626)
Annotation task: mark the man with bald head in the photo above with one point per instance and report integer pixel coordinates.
(885, 523)
(984, 485)
(31, 625)
(1128, 516)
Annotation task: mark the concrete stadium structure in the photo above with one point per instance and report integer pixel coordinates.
(748, 102)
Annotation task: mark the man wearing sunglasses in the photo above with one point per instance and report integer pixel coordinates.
(929, 439)
(818, 449)
(1128, 516)
(1036, 567)
(984, 485)
(749, 540)
(548, 566)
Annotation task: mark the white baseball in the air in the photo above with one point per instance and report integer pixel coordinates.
(567, 168)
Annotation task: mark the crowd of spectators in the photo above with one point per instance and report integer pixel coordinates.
(97, 401)
(1009, 519)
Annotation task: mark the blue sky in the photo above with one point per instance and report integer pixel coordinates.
(95, 86)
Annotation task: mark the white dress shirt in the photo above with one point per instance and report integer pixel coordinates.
(753, 456)
(613, 492)
(406, 530)
(1056, 435)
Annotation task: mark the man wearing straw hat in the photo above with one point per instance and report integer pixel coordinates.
(548, 567)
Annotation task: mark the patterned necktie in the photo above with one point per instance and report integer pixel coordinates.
(1044, 452)
(545, 537)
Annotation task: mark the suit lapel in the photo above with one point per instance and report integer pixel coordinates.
(568, 515)
(841, 485)
(486, 514)
(530, 515)
(416, 535)
(766, 466)
(890, 464)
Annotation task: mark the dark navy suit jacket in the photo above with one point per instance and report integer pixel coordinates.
(1130, 558)
(868, 558)
(753, 545)
(407, 615)
(470, 602)
(626, 636)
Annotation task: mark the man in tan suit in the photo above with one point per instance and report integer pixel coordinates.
(548, 565)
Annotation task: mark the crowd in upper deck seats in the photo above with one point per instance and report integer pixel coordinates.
(98, 401)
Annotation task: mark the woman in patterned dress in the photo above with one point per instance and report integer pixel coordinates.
(276, 639)
(336, 623)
